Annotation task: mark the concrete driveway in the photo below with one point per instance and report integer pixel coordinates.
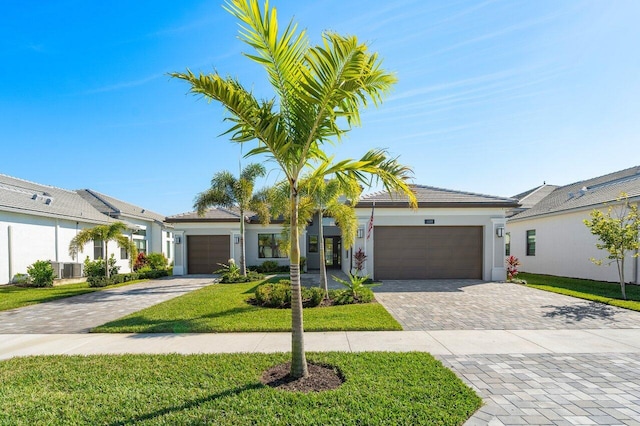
(599, 386)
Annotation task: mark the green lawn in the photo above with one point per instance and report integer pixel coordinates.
(380, 388)
(597, 291)
(12, 297)
(223, 308)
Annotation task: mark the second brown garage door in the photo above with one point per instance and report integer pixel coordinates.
(440, 252)
(205, 252)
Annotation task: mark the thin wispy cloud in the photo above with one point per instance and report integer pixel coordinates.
(123, 85)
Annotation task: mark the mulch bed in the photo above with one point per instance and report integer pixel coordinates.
(321, 378)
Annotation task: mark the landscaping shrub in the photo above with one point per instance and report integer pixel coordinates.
(278, 295)
(41, 274)
(271, 266)
(153, 274)
(157, 261)
(95, 268)
(346, 297)
(141, 261)
(358, 291)
(230, 273)
(98, 281)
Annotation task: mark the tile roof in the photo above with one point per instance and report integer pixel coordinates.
(587, 193)
(214, 214)
(429, 196)
(21, 196)
(115, 208)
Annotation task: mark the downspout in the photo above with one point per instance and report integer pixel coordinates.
(10, 246)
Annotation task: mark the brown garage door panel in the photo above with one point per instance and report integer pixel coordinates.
(403, 252)
(205, 252)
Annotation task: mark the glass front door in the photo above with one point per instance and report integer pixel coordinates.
(332, 250)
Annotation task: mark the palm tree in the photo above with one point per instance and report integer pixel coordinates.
(228, 191)
(329, 198)
(319, 91)
(104, 233)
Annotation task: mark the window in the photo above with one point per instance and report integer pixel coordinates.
(97, 249)
(124, 253)
(141, 232)
(531, 242)
(168, 249)
(269, 246)
(507, 244)
(141, 245)
(313, 244)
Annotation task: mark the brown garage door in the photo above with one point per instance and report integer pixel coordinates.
(405, 252)
(205, 252)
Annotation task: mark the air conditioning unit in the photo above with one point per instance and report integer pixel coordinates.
(72, 270)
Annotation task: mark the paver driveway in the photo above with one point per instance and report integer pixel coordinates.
(79, 314)
(532, 389)
(478, 305)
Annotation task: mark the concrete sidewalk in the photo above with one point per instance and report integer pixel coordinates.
(437, 342)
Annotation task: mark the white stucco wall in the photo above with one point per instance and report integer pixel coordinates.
(35, 238)
(493, 268)
(564, 246)
(182, 230)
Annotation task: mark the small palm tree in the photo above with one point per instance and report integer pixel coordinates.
(228, 191)
(104, 233)
(319, 92)
(333, 198)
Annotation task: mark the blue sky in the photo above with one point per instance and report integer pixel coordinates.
(493, 97)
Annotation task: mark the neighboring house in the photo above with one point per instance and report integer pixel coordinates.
(150, 233)
(37, 222)
(551, 238)
(451, 234)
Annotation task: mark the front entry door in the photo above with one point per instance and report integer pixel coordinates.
(332, 251)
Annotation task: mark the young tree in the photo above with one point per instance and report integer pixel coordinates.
(319, 91)
(228, 191)
(617, 231)
(104, 233)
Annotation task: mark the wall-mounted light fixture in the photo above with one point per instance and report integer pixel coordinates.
(236, 239)
(500, 231)
(360, 233)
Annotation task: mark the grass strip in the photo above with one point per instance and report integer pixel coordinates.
(12, 296)
(223, 308)
(381, 388)
(596, 291)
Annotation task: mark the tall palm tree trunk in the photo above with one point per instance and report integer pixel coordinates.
(298, 358)
(243, 263)
(106, 258)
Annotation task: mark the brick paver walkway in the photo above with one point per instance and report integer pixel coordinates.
(79, 314)
(546, 389)
(477, 305)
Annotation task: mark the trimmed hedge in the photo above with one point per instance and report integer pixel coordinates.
(278, 295)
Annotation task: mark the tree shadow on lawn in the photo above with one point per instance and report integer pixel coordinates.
(582, 311)
(187, 405)
(186, 325)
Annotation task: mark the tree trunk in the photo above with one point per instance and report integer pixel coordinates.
(621, 275)
(106, 259)
(323, 260)
(298, 358)
(243, 264)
